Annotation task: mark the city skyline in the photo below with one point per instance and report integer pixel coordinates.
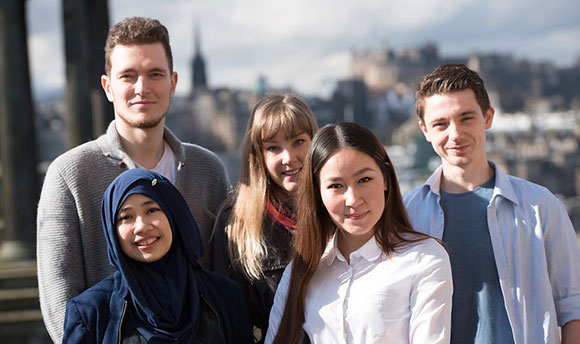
(307, 45)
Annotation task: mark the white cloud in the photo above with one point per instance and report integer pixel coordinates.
(304, 43)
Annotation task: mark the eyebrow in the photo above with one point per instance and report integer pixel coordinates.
(359, 172)
(286, 138)
(462, 114)
(142, 204)
(133, 70)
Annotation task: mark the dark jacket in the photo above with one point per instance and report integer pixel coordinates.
(259, 294)
(96, 315)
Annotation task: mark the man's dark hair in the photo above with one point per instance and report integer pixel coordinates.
(450, 78)
(137, 30)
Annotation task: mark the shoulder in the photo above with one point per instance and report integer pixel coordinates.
(222, 292)
(426, 249)
(97, 296)
(84, 153)
(84, 162)
(203, 165)
(95, 314)
(526, 187)
(407, 197)
(529, 193)
(415, 197)
(219, 283)
(72, 169)
(200, 154)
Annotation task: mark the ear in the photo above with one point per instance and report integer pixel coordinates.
(424, 130)
(173, 83)
(488, 117)
(106, 84)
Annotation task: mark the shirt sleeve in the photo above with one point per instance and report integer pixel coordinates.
(279, 305)
(563, 260)
(431, 296)
(58, 249)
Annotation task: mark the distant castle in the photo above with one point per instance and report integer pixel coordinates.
(520, 85)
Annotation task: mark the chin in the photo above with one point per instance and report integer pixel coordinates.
(143, 123)
(291, 189)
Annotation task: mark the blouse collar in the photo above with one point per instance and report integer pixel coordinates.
(370, 251)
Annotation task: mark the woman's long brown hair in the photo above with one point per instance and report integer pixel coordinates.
(316, 227)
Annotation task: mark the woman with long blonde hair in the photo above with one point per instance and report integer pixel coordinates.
(255, 230)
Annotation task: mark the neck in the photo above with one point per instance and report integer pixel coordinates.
(348, 243)
(144, 146)
(456, 179)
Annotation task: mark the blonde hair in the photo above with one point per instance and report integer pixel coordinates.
(272, 114)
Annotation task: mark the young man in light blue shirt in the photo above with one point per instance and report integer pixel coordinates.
(514, 253)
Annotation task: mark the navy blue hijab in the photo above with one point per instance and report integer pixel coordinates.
(164, 296)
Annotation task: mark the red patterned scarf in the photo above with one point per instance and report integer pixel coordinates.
(280, 210)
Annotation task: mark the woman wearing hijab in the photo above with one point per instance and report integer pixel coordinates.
(159, 293)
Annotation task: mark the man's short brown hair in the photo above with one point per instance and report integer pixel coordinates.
(137, 30)
(450, 78)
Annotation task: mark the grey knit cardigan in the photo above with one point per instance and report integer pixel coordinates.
(71, 248)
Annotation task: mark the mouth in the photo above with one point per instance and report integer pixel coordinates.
(142, 102)
(356, 216)
(291, 173)
(457, 148)
(147, 243)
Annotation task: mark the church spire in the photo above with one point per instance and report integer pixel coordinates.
(199, 76)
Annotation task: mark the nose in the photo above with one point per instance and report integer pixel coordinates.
(454, 131)
(141, 225)
(352, 198)
(287, 156)
(141, 86)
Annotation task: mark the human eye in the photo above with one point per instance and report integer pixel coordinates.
(123, 217)
(153, 209)
(126, 76)
(157, 75)
(365, 179)
(334, 186)
(299, 142)
(272, 149)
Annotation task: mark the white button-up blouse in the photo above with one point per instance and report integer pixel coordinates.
(403, 298)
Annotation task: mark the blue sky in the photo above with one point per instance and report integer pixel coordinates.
(306, 44)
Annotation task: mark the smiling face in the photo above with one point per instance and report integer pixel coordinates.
(352, 188)
(144, 230)
(284, 158)
(455, 126)
(140, 84)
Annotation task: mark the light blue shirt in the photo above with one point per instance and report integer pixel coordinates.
(535, 248)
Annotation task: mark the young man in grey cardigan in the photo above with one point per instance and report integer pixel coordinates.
(140, 82)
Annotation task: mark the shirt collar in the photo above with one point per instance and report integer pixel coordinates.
(370, 251)
(503, 186)
(433, 184)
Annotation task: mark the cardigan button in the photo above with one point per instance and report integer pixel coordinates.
(123, 165)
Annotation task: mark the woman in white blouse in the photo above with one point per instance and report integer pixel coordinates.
(360, 273)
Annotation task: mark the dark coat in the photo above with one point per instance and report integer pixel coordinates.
(96, 315)
(259, 294)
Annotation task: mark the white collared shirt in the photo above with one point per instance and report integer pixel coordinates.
(404, 298)
(535, 248)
